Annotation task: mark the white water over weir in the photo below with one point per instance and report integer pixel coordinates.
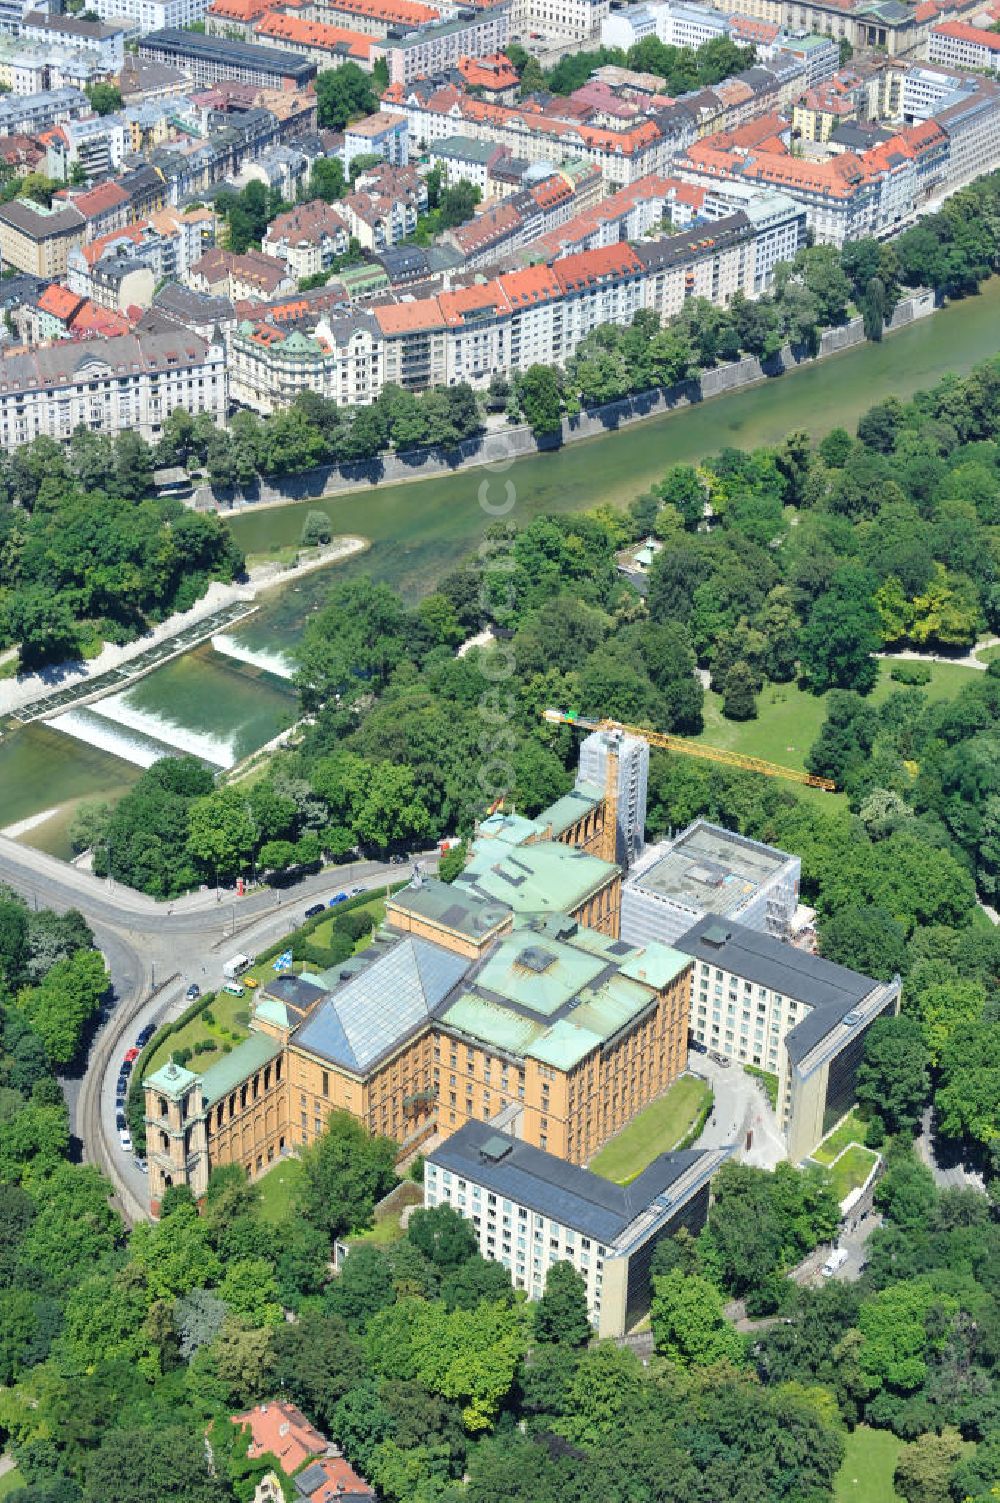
(84, 725)
(140, 737)
(258, 657)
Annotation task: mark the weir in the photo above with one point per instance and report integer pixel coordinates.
(256, 657)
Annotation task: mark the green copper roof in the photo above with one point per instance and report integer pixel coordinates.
(538, 974)
(580, 801)
(452, 906)
(556, 1000)
(171, 1080)
(272, 1010)
(656, 964)
(543, 878)
(511, 829)
(232, 1069)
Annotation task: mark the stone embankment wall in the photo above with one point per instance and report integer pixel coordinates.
(517, 441)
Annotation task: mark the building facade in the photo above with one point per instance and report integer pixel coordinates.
(531, 1210)
(708, 871)
(783, 1010)
(132, 382)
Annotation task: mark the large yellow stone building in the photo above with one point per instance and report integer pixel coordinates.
(506, 997)
(460, 1010)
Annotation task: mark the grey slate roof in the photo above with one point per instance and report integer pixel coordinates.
(563, 1192)
(830, 990)
(374, 1010)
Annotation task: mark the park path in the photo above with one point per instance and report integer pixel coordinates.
(967, 660)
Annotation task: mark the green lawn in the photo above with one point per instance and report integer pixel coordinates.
(655, 1130)
(987, 654)
(852, 1169)
(277, 1190)
(789, 719)
(231, 1015)
(869, 1463)
(851, 1130)
(11, 1483)
(323, 932)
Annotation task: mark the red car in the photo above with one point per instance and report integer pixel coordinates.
(131, 1055)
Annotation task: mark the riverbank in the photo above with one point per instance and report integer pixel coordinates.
(501, 444)
(18, 694)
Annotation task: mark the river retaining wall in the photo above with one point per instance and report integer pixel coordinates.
(518, 441)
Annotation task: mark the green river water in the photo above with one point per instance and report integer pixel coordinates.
(222, 706)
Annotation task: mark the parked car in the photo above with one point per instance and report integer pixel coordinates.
(251, 982)
(235, 989)
(697, 1046)
(355, 892)
(125, 1139)
(141, 1165)
(131, 1055)
(315, 908)
(120, 1103)
(145, 1034)
(120, 1121)
(338, 897)
(193, 993)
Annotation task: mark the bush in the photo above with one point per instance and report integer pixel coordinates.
(180, 1056)
(354, 926)
(208, 1016)
(910, 673)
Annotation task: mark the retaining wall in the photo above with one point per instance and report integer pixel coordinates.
(517, 442)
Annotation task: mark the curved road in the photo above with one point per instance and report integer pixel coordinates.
(153, 951)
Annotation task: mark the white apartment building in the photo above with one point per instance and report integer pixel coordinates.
(766, 1004)
(131, 381)
(383, 135)
(531, 1210)
(707, 871)
(421, 54)
(560, 20)
(959, 45)
(927, 89)
(151, 15)
(106, 42)
(674, 25)
(308, 238)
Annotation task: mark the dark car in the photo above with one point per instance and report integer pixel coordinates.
(315, 908)
(193, 993)
(697, 1046)
(120, 1122)
(144, 1036)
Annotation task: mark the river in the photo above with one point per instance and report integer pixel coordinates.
(223, 704)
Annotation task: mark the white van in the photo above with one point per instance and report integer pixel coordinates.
(836, 1260)
(234, 989)
(235, 967)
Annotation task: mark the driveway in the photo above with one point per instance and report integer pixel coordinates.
(741, 1112)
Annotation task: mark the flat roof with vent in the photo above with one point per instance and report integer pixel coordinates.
(708, 870)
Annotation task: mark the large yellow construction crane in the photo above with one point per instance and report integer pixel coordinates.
(691, 748)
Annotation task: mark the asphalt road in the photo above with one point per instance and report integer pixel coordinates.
(154, 950)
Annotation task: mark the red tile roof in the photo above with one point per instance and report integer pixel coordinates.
(333, 39)
(60, 302)
(415, 317)
(284, 1431)
(961, 32)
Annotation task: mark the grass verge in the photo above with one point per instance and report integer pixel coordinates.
(852, 1169)
(278, 1188)
(658, 1128)
(12, 1483)
(851, 1130)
